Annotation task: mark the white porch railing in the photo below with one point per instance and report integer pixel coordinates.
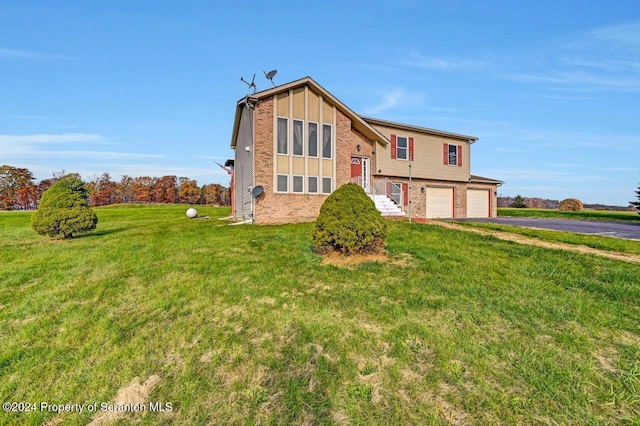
(384, 186)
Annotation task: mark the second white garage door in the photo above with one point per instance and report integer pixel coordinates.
(439, 202)
(477, 203)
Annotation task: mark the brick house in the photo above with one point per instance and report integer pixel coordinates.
(296, 143)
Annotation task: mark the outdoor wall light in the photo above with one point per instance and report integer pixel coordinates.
(422, 189)
(379, 170)
(358, 147)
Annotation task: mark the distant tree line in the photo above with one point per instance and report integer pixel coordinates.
(541, 203)
(19, 191)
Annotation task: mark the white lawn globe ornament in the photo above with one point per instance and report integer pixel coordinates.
(191, 212)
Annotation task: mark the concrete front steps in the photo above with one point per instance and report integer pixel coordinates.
(385, 206)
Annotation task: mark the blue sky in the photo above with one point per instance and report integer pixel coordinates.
(550, 88)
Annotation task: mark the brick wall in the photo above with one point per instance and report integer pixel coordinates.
(274, 207)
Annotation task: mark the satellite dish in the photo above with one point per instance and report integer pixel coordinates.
(257, 191)
(252, 84)
(270, 76)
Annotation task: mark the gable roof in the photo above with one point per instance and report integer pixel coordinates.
(412, 128)
(357, 122)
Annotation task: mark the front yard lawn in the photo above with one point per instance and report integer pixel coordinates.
(246, 325)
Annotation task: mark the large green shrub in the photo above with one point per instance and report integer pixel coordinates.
(63, 211)
(349, 223)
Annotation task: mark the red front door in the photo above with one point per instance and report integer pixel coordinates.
(356, 167)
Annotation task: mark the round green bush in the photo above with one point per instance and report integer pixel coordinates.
(349, 223)
(63, 212)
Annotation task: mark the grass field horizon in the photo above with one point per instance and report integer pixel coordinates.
(246, 325)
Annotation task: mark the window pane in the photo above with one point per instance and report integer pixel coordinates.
(401, 148)
(297, 138)
(283, 182)
(283, 142)
(326, 141)
(313, 139)
(326, 185)
(453, 158)
(313, 184)
(297, 184)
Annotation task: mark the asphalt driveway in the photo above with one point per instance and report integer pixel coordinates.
(595, 227)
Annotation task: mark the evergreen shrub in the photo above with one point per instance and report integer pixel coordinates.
(349, 223)
(63, 211)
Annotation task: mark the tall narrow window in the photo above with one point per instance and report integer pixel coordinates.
(313, 140)
(283, 138)
(298, 138)
(326, 141)
(453, 155)
(401, 148)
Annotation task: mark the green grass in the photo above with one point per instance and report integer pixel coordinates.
(595, 241)
(245, 325)
(583, 215)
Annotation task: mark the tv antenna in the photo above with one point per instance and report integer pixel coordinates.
(252, 84)
(270, 76)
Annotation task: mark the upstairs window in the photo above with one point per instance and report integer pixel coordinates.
(283, 135)
(298, 138)
(452, 155)
(312, 149)
(326, 141)
(401, 148)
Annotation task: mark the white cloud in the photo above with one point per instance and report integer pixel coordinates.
(6, 140)
(604, 59)
(23, 54)
(416, 59)
(97, 155)
(394, 98)
(389, 100)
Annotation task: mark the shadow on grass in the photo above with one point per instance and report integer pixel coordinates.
(101, 232)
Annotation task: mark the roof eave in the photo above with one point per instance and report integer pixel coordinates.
(409, 127)
(357, 121)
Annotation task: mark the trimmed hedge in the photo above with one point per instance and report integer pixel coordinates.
(349, 223)
(63, 212)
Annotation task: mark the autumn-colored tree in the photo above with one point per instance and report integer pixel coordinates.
(166, 189)
(125, 189)
(216, 194)
(12, 180)
(189, 192)
(103, 191)
(143, 189)
(534, 203)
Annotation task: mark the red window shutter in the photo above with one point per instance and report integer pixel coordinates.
(459, 155)
(445, 154)
(405, 190)
(411, 149)
(393, 147)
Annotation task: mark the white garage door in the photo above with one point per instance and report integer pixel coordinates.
(477, 203)
(439, 203)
